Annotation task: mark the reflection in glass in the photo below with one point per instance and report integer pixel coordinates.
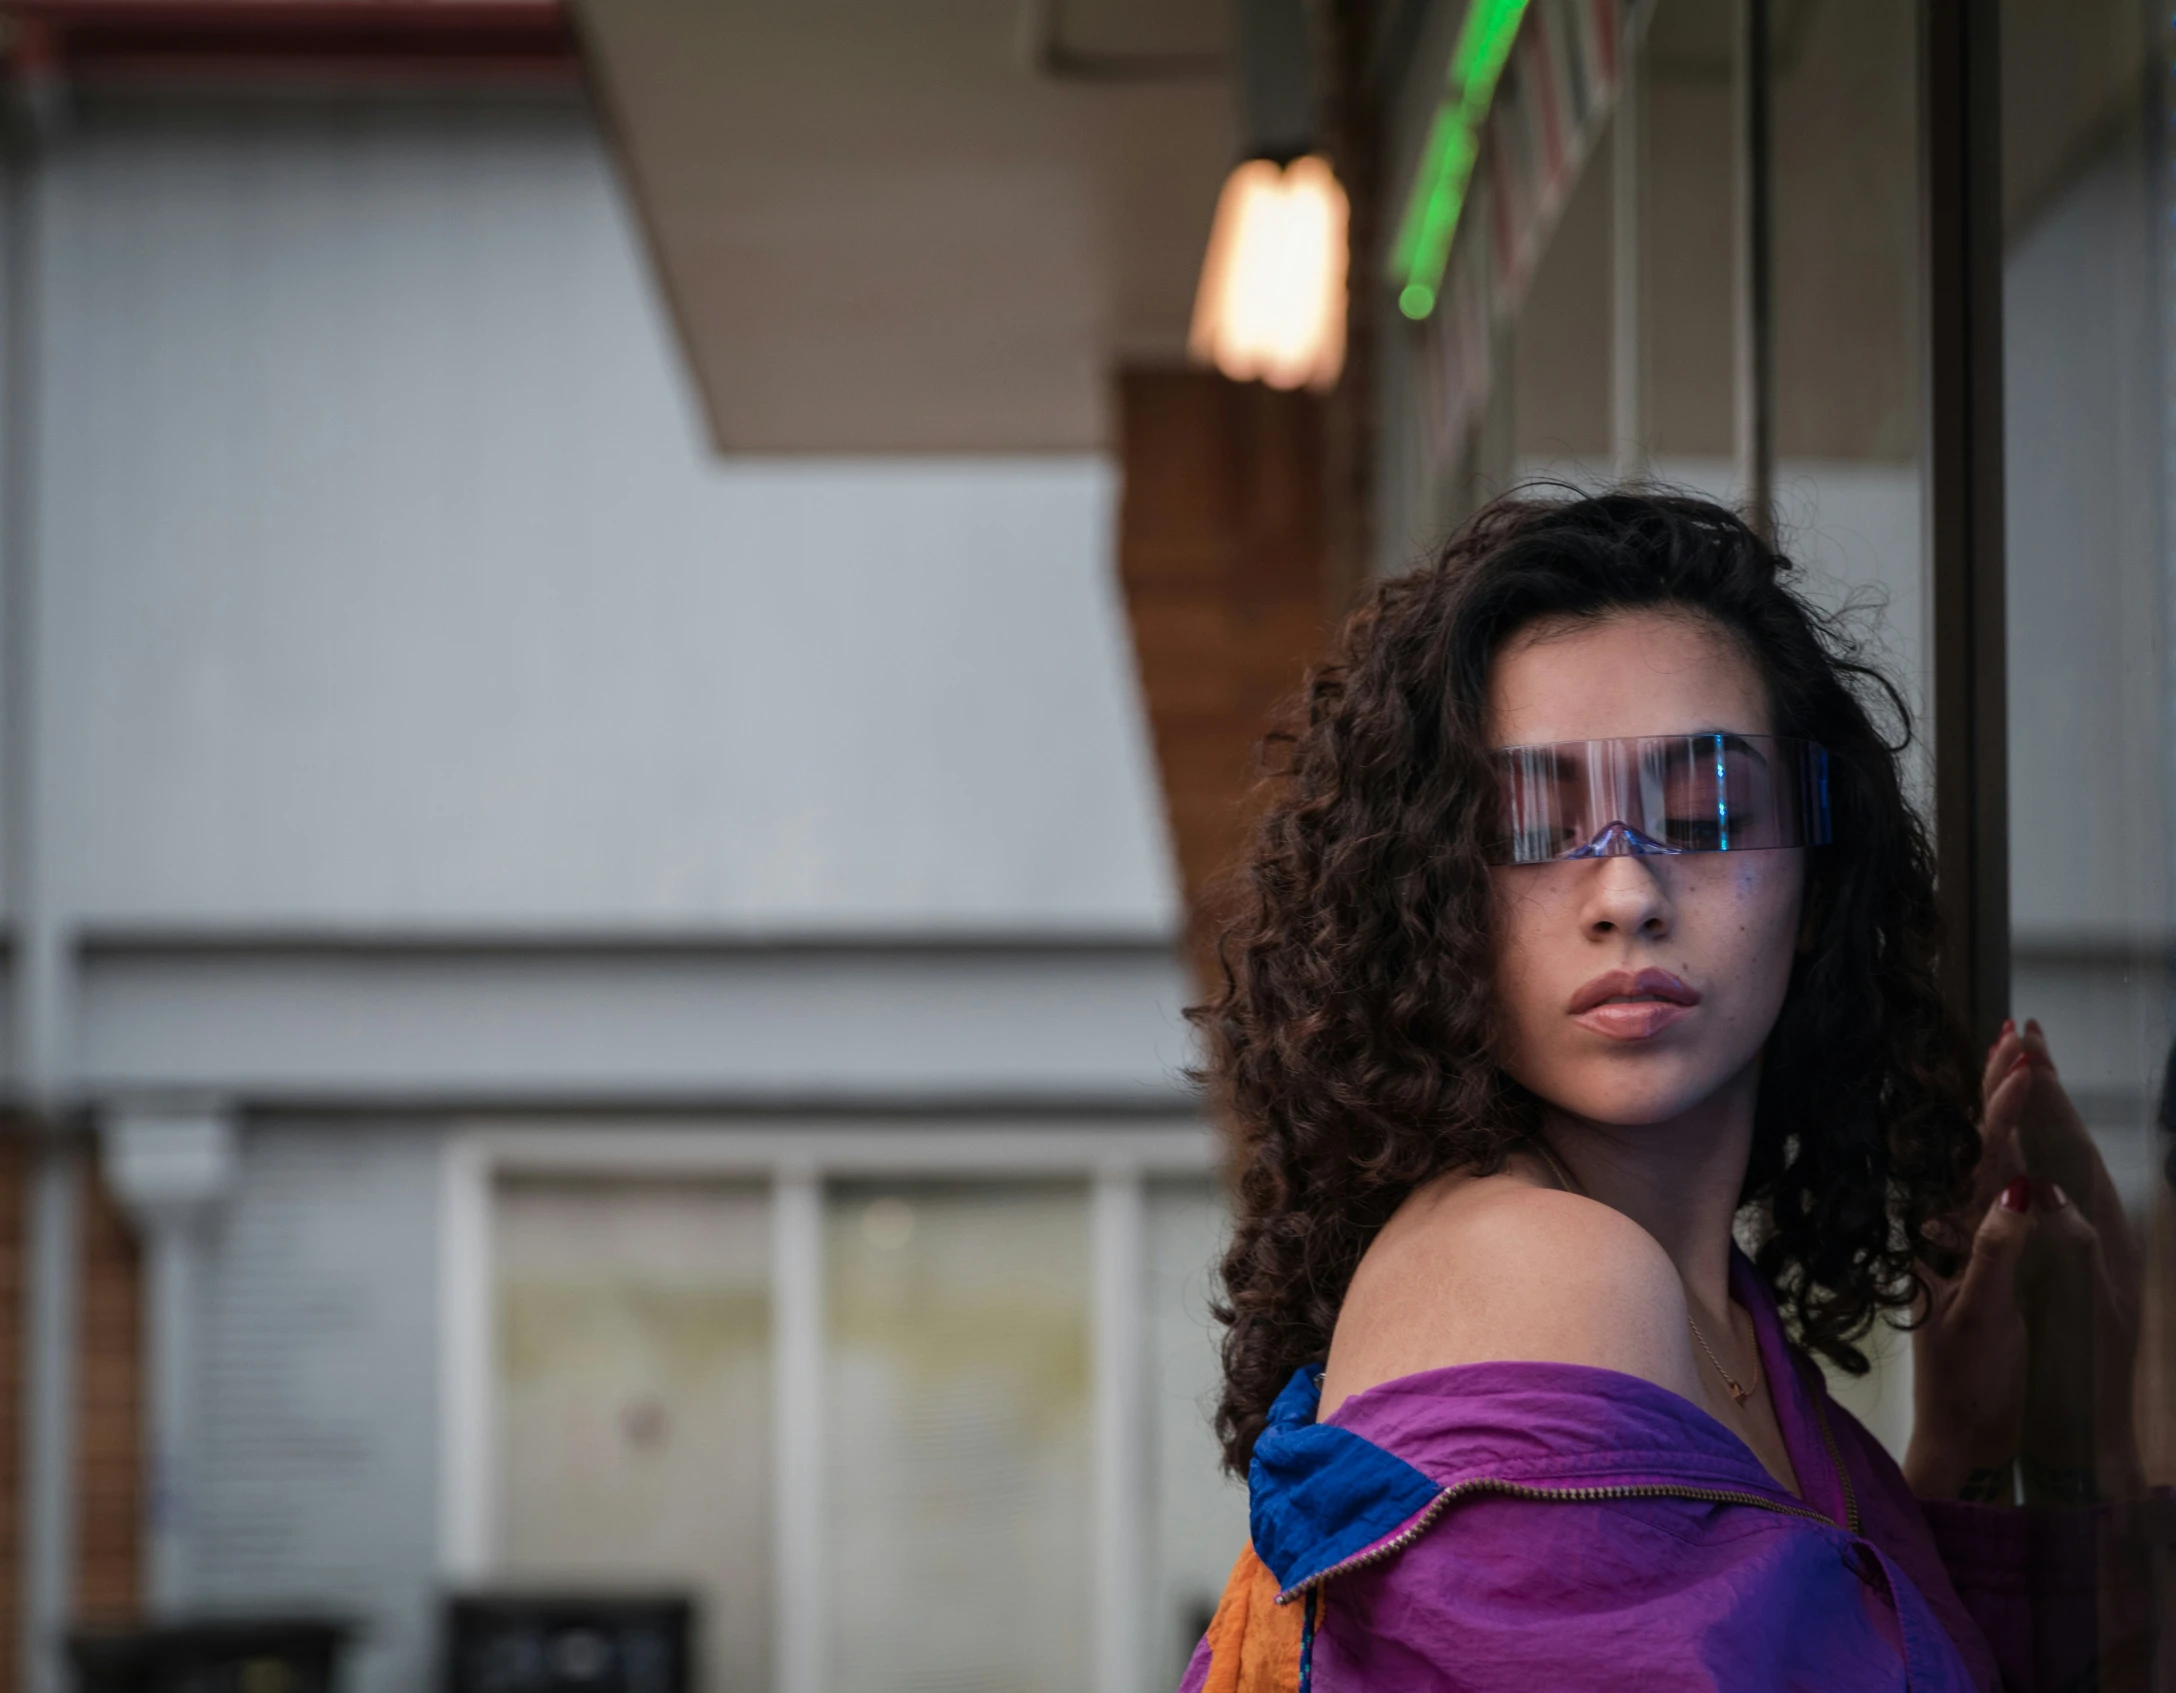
(2087, 295)
(2086, 372)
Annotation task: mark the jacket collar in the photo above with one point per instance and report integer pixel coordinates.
(1323, 1494)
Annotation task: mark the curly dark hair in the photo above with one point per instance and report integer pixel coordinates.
(1351, 1041)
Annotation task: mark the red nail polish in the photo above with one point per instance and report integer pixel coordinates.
(2018, 1195)
(2009, 1025)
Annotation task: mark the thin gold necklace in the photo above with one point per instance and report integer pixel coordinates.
(1739, 1393)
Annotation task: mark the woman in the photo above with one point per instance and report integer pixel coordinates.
(1589, 931)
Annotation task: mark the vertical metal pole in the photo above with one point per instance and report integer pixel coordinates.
(1755, 360)
(2162, 161)
(170, 1264)
(797, 1510)
(39, 975)
(1961, 206)
(172, 1168)
(1627, 343)
(467, 1477)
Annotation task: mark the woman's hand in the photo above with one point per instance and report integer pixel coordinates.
(2027, 1352)
(1969, 1381)
(2081, 1283)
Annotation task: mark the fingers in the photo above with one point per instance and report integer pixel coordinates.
(2063, 1251)
(2034, 1041)
(2005, 1087)
(2083, 1339)
(2002, 1156)
(2007, 1047)
(2081, 1259)
(2053, 1141)
(1989, 1284)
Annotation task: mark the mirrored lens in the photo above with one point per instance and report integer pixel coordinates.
(1662, 794)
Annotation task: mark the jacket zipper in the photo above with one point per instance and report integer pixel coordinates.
(1521, 1490)
(1817, 1392)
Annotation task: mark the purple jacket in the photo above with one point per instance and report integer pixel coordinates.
(1541, 1528)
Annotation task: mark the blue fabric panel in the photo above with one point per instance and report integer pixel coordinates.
(1316, 1494)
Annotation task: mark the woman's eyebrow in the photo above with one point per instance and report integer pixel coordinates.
(1546, 759)
(1734, 740)
(1558, 758)
(1746, 744)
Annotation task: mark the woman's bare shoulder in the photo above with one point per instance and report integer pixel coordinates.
(1475, 1269)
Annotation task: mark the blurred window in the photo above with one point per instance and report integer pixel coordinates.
(957, 1438)
(1200, 1519)
(635, 1395)
(947, 1429)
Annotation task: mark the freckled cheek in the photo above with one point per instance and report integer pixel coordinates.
(1766, 896)
(1749, 917)
(1768, 903)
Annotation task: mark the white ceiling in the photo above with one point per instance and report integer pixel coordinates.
(882, 230)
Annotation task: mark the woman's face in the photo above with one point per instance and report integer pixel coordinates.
(1584, 1029)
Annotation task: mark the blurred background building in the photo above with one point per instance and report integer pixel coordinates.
(629, 648)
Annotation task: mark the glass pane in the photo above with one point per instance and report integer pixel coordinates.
(1687, 211)
(957, 1440)
(1848, 416)
(2087, 368)
(634, 1390)
(1845, 181)
(1199, 1519)
(1560, 352)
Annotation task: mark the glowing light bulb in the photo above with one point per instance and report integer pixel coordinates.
(1271, 305)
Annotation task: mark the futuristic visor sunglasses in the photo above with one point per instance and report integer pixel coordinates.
(1662, 794)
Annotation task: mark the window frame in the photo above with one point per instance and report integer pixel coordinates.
(1116, 1159)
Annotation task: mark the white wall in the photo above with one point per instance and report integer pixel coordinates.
(422, 714)
(387, 581)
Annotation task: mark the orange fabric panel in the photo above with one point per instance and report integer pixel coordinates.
(1254, 1642)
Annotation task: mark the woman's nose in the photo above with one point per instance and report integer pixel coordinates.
(1627, 897)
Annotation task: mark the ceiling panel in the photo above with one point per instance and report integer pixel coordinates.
(882, 230)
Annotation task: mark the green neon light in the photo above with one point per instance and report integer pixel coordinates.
(1423, 247)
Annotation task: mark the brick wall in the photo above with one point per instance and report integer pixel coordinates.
(108, 1410)
(110, 1386)
(1221, 548)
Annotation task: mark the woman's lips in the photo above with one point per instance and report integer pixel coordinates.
(1632, 1005)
